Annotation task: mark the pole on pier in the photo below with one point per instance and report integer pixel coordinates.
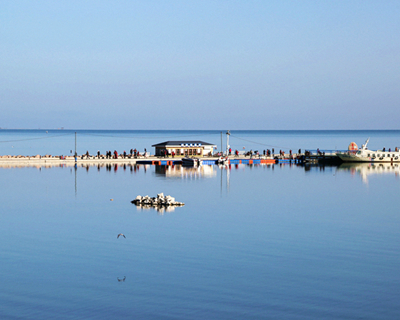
(227, 142)
(75, 148)
(222, 148)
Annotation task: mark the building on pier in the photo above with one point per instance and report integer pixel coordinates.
(185, 148)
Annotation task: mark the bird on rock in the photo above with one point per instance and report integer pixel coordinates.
(121, 234)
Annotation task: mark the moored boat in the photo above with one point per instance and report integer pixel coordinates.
(193, 162)
(223, 160)
(365, 155)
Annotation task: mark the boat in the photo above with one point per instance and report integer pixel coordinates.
(223, 160)
(365, 155)
(192, 162)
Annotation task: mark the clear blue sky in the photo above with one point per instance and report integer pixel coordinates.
(200, 64)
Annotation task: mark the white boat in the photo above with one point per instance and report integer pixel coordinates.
(365, 155)
(193, 162)
(223, 160)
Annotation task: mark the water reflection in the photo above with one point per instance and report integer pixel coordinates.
(211, 171)
(160, 209)
(366, 169)
(87, 166)
(179, 171)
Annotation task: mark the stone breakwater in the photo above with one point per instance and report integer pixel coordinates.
(160, 200)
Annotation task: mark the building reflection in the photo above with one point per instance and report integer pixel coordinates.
(182, 172)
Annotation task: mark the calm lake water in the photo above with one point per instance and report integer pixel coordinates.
(251, 242)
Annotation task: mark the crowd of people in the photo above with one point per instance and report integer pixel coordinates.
(114, 155)
(266, 153)
(134, 153)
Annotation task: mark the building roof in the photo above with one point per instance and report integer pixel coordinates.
(182, 143)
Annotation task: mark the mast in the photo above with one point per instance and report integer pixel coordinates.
(227, 142)
(75, 147)
(366, 142)
(222, 147)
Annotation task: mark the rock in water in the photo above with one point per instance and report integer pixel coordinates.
(160, 200)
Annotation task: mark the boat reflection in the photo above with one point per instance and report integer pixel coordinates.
(366, 169)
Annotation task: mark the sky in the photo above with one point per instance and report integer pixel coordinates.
(239, 65)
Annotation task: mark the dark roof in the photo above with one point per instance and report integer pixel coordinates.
(180, 142)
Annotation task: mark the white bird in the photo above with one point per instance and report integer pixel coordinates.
(121, 234)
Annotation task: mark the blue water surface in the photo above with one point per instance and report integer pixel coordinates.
(251, 242)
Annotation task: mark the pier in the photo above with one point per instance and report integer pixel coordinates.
(322, 156)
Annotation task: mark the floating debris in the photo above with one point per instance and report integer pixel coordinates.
(160, 200)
